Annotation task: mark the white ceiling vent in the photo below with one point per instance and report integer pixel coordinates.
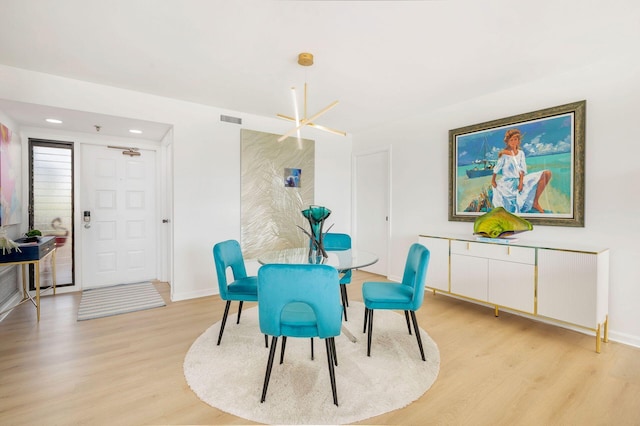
(230, 119)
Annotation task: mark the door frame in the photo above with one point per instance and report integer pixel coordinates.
(165, 198)
(164, 170)
(354, 198)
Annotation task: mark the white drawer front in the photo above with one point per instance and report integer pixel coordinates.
(495, 251)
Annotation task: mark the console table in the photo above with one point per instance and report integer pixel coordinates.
(32, 253)
(563, 284)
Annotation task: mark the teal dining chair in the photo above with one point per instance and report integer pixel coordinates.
(299, 300)
(406, 296)
(243, 288)
(337, 242)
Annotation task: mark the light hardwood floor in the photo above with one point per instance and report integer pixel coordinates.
(127, 369)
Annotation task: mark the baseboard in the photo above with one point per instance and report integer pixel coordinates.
(394, 278)
(625, 339)
(178, 296)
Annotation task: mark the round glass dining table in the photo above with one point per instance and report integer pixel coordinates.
(342, 260)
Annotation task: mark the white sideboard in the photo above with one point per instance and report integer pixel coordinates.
(566, 285)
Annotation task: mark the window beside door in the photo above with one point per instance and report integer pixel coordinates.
(51, 203)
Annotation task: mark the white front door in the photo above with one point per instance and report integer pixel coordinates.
(118, 205)
(371, 207)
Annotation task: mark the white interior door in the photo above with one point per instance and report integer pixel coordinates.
(119, 240)
(371, 207)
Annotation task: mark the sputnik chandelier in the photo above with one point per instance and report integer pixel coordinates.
(306, 60)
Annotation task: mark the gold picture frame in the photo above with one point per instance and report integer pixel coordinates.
(552, 142)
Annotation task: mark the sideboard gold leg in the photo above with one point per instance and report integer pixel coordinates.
(25, 295)
(53, 268)
(36, 268)
(606, 329)
(497, 313)
(598, 339)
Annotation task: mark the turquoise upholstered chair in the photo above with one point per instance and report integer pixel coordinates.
(337, 242)
(407, 295)
(299, 301)
(228, 254)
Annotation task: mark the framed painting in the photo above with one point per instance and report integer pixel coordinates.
(10, 175)
(531, 164)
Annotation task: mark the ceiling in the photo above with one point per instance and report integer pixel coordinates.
(383, 60)
(31, 115)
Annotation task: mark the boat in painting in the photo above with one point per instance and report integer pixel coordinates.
(483, 166)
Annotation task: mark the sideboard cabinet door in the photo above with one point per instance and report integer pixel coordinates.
(469, 270)
(512, 284)
(572, 286)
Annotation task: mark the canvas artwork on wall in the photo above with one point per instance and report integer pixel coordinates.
(10, 168)
(274, 192)
(292, 177)
(531, 164)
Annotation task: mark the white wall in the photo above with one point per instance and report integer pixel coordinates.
(205, 161)
(612, 196)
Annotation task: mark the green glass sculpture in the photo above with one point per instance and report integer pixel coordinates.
(500, 223)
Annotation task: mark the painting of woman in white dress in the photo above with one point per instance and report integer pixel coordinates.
(530, 164)
(517, 191)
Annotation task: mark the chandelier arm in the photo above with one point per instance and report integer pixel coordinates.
(315, 125)
(305, 101)
(305, 122)
(295, 108)
(327, 129)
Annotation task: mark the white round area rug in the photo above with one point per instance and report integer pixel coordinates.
(229, 377)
